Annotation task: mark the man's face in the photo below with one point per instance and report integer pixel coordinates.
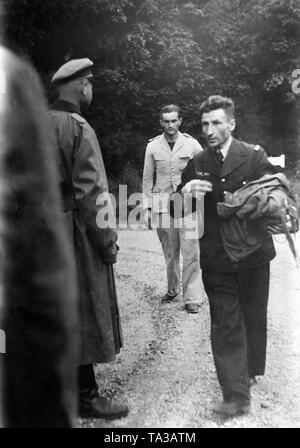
(170, 123)
(217, 127)
(87, 94)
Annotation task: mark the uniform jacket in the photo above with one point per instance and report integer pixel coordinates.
(243, 163)
(163, 168)
(38, 294)
(82, 180)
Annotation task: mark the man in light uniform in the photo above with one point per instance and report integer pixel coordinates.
(166, 157)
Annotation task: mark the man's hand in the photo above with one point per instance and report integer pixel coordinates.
(147, 218)
(109, 254)
(197, 187)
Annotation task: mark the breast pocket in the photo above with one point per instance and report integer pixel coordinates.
(162, 169)
(159, 158)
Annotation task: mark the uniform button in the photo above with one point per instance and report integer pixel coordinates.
(223, 179)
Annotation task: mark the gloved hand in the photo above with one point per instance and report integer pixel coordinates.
(109, 254)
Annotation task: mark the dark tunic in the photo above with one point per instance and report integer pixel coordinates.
(242, 165)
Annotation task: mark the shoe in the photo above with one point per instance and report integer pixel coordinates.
(252, 381)
(232, 408)
(102, 407)
(167, 298)
(192, 307)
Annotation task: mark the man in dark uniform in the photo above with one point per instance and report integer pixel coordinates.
(237, 292)
(83, 183)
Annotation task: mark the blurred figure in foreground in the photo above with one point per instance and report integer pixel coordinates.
(84, 188)
(38, 293)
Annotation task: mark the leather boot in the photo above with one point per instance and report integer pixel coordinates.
(231, 408)
(92, 405)
(234, 404)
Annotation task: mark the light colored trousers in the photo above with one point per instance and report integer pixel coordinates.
(172, 240)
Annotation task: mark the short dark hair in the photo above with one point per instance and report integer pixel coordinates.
(171, 108)
(214, 102)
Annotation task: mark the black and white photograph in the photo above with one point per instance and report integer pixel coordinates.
(149, 216)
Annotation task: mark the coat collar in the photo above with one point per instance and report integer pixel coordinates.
(178, 144)
(234, 159)
(66, 106)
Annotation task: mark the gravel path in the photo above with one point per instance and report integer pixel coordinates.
(166, 369)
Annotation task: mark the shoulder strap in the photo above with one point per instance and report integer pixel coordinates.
(154, 138)
(188, 135)
(78, 118)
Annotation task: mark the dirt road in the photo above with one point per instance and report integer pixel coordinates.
(166, 370)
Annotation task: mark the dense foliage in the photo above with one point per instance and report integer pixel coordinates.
(149, 53)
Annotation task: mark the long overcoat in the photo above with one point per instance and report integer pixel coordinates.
(83, 183)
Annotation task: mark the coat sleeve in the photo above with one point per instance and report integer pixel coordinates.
(187, 175)
(149, 167)
(91, 191)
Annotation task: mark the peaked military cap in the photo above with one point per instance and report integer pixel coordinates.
(76, 68)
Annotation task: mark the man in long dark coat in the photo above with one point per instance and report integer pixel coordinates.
(237, 291)
(83, 186)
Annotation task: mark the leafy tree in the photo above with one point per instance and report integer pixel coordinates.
(149, 53)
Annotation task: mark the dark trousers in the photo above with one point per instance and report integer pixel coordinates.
(86, 381)
(238, 308)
